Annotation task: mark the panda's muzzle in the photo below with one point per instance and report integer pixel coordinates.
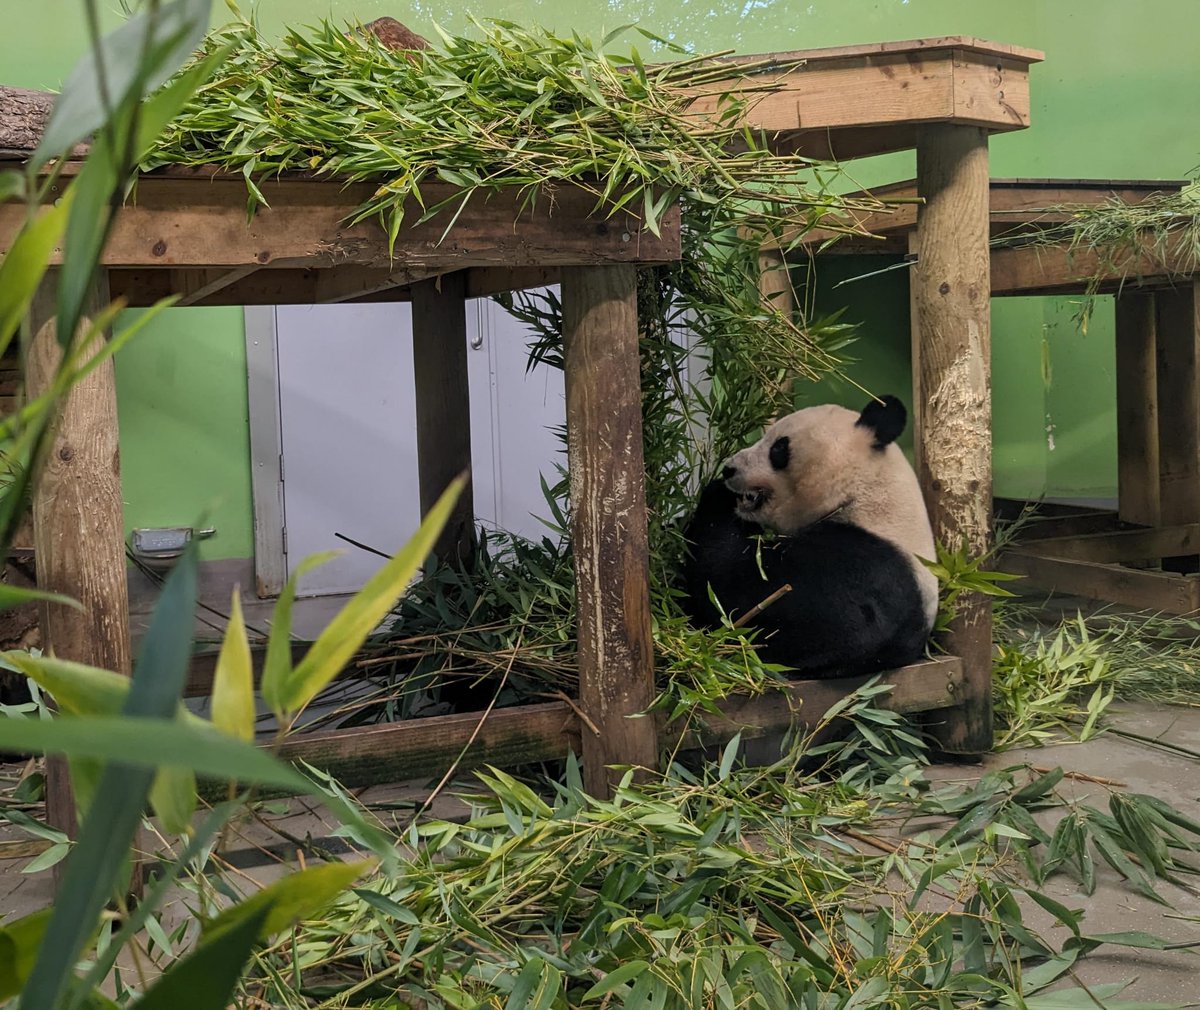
(753, 499)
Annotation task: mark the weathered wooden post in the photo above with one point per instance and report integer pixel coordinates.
(1137, 408)
(78, 523)
(439, 321)
(951, 338)
(608, 519)
(1177, 365)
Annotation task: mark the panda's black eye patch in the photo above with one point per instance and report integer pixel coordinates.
(780, 453)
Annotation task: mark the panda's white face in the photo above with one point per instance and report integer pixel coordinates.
(802, 469)
(827, 460)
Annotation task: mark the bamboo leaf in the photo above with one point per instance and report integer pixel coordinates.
(19, 942)
(145, 744)
(206, 978)
(277, 664)
(289, 900)
(233, 681)
(616, 978)
(132, 60)
(16, 596)
(104, 839)
(24, 266)
(345, 633)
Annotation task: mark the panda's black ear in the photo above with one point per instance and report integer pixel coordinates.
(886, 417)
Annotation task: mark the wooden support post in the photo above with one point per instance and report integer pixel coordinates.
(78, 524)
(1137, 409)
(1178, 391)
(439, 319)
(608, 519)
(951, 334)
(775, 282)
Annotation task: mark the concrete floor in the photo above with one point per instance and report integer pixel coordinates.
(1169, 976)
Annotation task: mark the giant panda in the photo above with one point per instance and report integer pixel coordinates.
(852, 524)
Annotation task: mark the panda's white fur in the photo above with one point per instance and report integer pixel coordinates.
(838, 462)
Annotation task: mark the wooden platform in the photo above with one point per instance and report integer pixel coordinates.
(185, 232)
(1154, 560)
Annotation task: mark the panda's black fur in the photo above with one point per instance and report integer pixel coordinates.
(853, 609)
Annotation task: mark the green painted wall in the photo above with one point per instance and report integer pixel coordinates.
(1115, 98)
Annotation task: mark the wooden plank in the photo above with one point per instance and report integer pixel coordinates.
(439, 325)
(853, 104)
(1056, 269)
(527, 734)
(1121, 545)
(608, 519)
(952, 396)
(199, 220)
(1142, 590)
(194, 286)
(1177, 361)
(427, 747)
(923, 687)
(79, 532)
(1015, 206)
(314, 286)
(1137, 409)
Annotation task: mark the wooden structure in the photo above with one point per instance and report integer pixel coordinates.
(1157, 523)
(187, 234)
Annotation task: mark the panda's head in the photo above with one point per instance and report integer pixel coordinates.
(817, 462)
(828, 461)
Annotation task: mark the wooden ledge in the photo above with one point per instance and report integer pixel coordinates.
(1016, 206)
(527, 734)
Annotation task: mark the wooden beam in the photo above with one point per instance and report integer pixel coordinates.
(1057, 269)
(194, 286)
(198, 219)
(608, 519)
(1121, 545)
(951, 333)
(79, 529)
(1177, 364)
(527, 734)
(1140, 589)
(1137, 409)
(1015, 206)
(853, 101)
(439, 324)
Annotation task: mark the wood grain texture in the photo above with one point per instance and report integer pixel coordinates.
(1177, 336)
(198, 219)
(608, 518)
(1121, 545)
(1059, 270)
(1141, 590)
(951, 334)
(79, 533)
(439, 325)
(1015, 206)
(1137, 409)
(526, 734)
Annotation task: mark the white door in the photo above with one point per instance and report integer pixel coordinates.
(346, 417)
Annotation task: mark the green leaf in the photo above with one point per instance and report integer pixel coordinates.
(295, 897)
(16, 596)
(24, 266)
(616, 978)
(147, 744)
(92, 869)
(85, 690)
(131, 61)
(206, 979)
(19, 942)
(233, 681)
(338, 643)
(527, 978)
(277, 664)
